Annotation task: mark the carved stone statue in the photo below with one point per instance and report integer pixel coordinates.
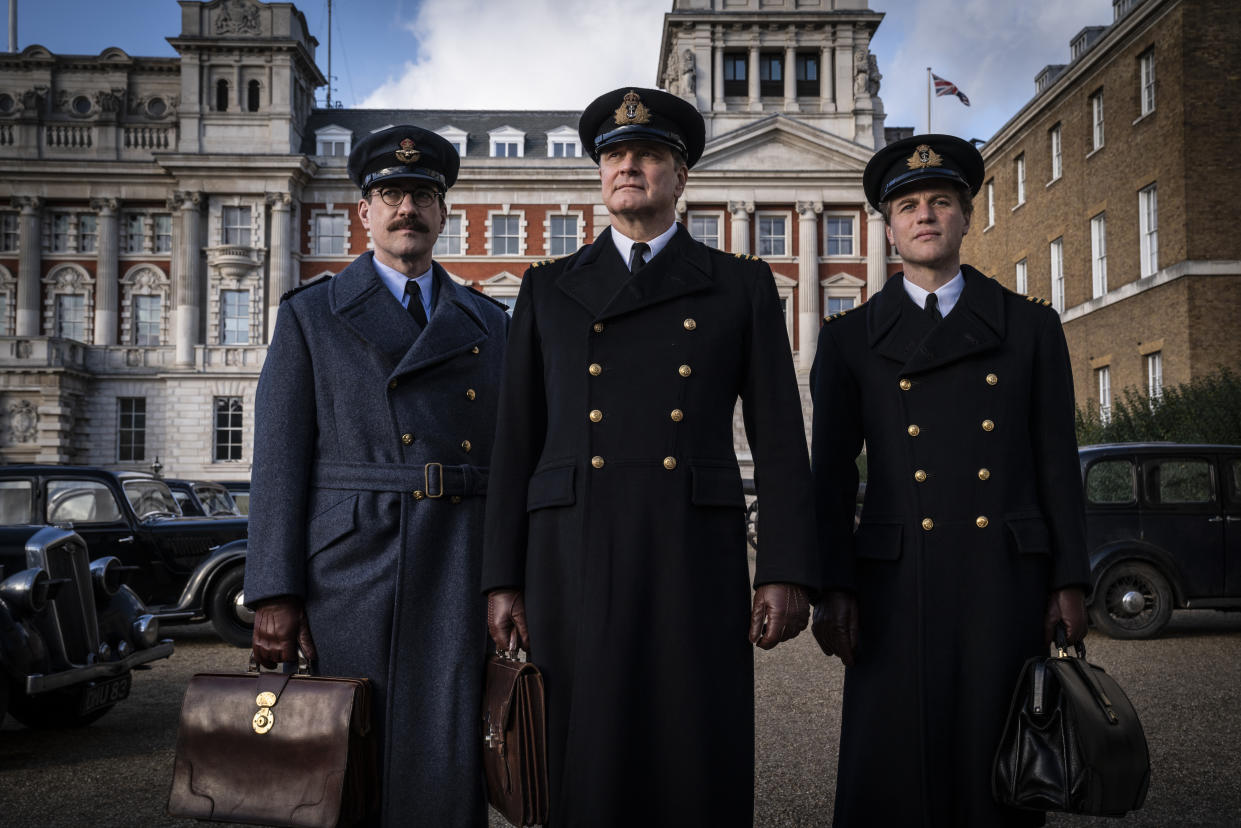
(689, 82)
(861, 72)
(874, 76)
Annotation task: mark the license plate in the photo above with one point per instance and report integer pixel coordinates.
(103, 693)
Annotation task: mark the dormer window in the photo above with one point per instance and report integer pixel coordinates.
(333, 141)
(455, 136)
(563, 142)
(507, 142)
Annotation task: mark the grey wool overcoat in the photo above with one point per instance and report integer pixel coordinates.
(372, 442)
(617, 505)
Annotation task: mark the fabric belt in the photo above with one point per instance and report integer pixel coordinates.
(432, 479)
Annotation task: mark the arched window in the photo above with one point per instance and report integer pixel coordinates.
(221, 95)
(252, 96)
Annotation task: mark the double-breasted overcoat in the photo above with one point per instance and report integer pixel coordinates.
(616, 504)
(372, 442)
(972, 515)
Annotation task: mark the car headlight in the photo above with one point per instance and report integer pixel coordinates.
(27, 591)
(107, 574)
(146, 631)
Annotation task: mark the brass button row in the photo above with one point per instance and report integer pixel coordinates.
(981, 522)
(670, 463)
(596, 416)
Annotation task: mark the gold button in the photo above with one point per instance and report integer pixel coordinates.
(992, 379)
(914, 431)
(418, 495)
(690, 324)
(407, 439)
(670, 463)
(984, 474)
(455, 498)
(598, 327)
(928, 524)
(474, 350)
(981, 522)
(597, 462)
(595, 369)
(920, 475)
(685, 370)
(596, 416)
(465, 444)
(469, 394)
(677, 415)
(987, 425)
(392, 385)
(906, 385)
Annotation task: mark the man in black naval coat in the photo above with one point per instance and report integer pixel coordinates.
(374, 419)
(971, 545)
(615, 544)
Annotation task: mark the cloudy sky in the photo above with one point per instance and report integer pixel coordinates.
(558, 54)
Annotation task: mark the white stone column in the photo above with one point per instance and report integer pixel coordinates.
(107, 277)
(876, 252)
(826, 89)
(281, 277)
(30, 247)
(755, 97)
(808, 314)
(717, 78)
(187, 276)
(844, 69)
(790, 78)
(740, 211)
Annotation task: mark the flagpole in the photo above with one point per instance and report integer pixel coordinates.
(928, 100)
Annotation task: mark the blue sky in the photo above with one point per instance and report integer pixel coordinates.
(555, 54)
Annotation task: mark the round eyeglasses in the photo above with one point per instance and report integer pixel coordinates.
(393, 196)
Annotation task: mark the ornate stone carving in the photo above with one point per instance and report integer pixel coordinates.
(873, 74)
(807, 208)
(238, 17)
(277, 200)
(739, 209)
(105, 205)
(861, 72)
(23, 423)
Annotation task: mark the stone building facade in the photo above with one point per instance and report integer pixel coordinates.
(1106, 194)
(154, 210)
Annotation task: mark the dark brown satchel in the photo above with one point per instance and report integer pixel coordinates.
(275, 749)
(515, 735)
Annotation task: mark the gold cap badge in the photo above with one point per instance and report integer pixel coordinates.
(632, 111)
(408, 153)
(924, 157)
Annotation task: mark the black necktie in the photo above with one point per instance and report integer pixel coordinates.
(415, 308)
(635, 256)
(932, 307)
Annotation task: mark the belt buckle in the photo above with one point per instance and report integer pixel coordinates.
(426, 479)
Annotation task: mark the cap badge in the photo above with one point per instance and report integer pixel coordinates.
(408, 153)
(924, 157)
(632, 111)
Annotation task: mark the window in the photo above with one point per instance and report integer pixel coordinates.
(563, 142)
(88, 233)
(771, 74)
(61, 232)
(333, 141)
(16, 502)
(1110, 482)
(131, 430)
(71, 316)
(836, 304)
(1096, 121)
(457, 137)
(1020, 171)
(335, 149)
(505, 235)
(563, 238)
(80, 501)
(1057, 274)
(221, 95)
(1057, 160)
(1178, 482)
(991, 203)
(839, 236)
(808, 75)
(329, 236)
(735, 73)
(562, 149)
(1023, 277)
(504, 149)
(5, 330)
(771, 238)
(705, 229)
(228, 428)
(1146, 78)
(236, 221)
(1098, 254)
(1148, 230)
(9, 233)
(132, 233)
(146, 320)
(252, 96)
(452, 241)
(163, 232)
(507, 142)
(1104, 376)
(1154, 375)
(234, 317)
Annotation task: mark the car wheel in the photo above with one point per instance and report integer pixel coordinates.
(1132, 600)
(53, 710)
(232, 620)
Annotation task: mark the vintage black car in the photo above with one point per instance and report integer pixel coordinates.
(203, 498)
(1163, 526)
(240, 492)
(71, 632)
(184, 569)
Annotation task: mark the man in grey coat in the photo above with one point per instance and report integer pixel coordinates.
(374, 422)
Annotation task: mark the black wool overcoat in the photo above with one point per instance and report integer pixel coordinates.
(973, 514)
(616, 504)
(353, 404)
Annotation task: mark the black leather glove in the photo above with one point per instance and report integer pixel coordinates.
(506, 620)
(836, 626)
(280, 629)
(779, 613)
(1067, 606)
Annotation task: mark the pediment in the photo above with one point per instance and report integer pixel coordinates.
(779, 144)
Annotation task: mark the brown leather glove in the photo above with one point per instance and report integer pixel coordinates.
(280, 629)
(506, 620)
(779, 613)
(836, 626)
(1067, 606)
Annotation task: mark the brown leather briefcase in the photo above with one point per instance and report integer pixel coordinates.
(515, 735)
(275, 749)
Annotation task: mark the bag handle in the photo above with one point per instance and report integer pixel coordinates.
(1086, 671)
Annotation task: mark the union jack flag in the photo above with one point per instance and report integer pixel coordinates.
(944, 87)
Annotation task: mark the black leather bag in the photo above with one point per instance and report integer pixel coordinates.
(515, 740)
(1072, 741)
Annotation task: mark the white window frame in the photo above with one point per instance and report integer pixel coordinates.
(1096, 121)
(60, 317)
(521, 232)
(456, 136)
(1022, 274)
(245, 231)
(137, 300)
(156, 235)
(10, 232)
(463, 236)
(1146, 82)
(784, 237)
(504, 286)
(841, 286)
(785, 287)
(138, 433)
(1056, 254)
(578, 237)
(1057, 152)
(92, 233)
(828, 215)
(127, 234)
(564, 135)
(707, 215)
(8, 301)
(1098, 255)
(1148, 230)
(1019, 168)
(507, 135)
(990, 204)
(312, 224)
(244, 318)
(1103, 375)
(68, 279)
(1154, 375)
(68, 234)
(144, 280)
(236, 435)
(330, 136)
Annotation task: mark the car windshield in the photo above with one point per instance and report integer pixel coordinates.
(151, 498)
(216, 500)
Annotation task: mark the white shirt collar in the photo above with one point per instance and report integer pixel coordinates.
(624, 243)
(394, 280)
(947, 295)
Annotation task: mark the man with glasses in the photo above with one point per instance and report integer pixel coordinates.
(374, 421)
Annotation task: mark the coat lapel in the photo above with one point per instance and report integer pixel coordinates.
(362, 301)
(454, 328)
(596, 275)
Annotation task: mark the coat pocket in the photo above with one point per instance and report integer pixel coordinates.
(551, 486)
(1030, 533)
(331, 524)
(878, 541)
(716, 486)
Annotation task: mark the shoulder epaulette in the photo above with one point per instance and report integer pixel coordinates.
(490, 299)
(747, 257)
(302, 287)
(1044, 302)
(838, 314)
(541, 262)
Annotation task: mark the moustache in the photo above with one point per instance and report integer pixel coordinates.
(412, 224)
